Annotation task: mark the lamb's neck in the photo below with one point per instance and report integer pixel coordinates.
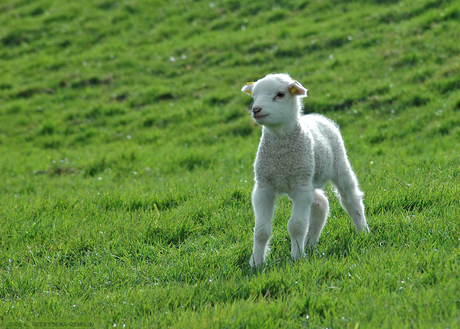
(283, 132)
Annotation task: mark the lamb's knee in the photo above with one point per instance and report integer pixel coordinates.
(297, 228)
(261, 234)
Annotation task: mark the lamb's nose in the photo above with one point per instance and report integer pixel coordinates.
(256, 109)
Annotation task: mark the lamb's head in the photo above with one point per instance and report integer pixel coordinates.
(276, 100)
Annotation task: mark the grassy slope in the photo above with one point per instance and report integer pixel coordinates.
(126, 162)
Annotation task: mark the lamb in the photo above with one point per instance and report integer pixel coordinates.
(297, 155)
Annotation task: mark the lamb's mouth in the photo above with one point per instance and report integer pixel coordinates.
(260, 116)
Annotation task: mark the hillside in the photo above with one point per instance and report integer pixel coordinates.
(126, 157)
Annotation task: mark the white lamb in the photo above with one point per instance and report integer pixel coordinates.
(297, 155)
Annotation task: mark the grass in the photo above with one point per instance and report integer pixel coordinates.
(126, 163)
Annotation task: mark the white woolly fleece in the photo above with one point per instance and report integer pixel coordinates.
(297, 155)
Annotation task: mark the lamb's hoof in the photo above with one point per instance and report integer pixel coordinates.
(253, 263)
(297, 255)
(364, 230)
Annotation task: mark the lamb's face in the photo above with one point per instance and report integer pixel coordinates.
(276, 100)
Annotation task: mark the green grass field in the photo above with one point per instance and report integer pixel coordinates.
(126, 157)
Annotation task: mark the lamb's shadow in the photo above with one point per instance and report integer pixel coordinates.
(336, 247)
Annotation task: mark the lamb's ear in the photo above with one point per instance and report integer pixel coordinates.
(248, 88)
(295, 88)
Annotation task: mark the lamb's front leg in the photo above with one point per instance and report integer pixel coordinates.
(263, 201)
(302, 200)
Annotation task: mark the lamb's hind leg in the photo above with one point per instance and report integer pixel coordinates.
(351, 198)
(318, 216)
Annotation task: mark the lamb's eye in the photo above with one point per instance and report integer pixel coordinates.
(280, 94)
